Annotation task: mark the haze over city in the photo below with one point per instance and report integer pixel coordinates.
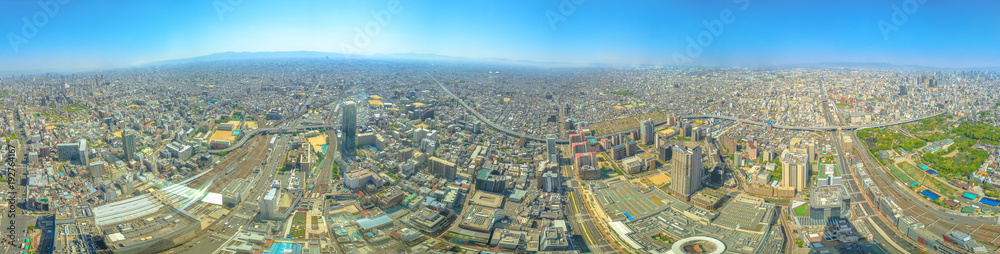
(82, 35)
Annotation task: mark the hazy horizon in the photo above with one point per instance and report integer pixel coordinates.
(78, 36)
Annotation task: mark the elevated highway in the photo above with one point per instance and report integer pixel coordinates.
(815, 128)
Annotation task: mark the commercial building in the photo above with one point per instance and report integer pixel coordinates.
(633, 165)
(687, 170)
(553, 239)
(708, 199)
(180, 151)
(480, 218)
(68, 151)
(829, 175)
(427, 220)
(359, 178)
(74, 151)
(829, 202)
(551, 182)
(487, 199)
(269, 206)
(965, 241)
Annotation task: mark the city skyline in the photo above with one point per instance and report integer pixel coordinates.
(569, 126)
(79, 36)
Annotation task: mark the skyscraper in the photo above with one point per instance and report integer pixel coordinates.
(84, 156)
(128, 138)
(647, 131)
(687, 170)
(349, 128)
(550, 145)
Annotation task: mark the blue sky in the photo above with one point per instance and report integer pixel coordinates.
(84, 35)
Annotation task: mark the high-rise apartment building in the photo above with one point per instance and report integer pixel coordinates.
(687, 170)
(647, 131)
(796, 170)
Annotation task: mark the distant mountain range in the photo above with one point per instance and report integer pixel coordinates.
(443, 58)
(315, 54)
(225, 56)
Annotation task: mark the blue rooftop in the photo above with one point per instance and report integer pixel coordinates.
(930, 194)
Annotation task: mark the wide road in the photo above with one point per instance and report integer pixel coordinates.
(584, 226)
(22, 220)
(890, 240)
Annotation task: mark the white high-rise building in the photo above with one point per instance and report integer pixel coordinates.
(269, 206)
(550, 145)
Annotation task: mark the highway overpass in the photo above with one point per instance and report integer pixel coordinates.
(815, 128)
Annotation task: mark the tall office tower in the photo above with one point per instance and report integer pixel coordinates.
(128, 139)
(647, 131)
(349, 128)
(84, 156)
(796, 170)
(550, 145)
(687, 170)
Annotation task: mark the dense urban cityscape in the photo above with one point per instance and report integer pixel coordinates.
(500, 127)
(341, 155)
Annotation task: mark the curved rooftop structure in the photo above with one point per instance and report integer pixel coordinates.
(698, 244)
(126, 210)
